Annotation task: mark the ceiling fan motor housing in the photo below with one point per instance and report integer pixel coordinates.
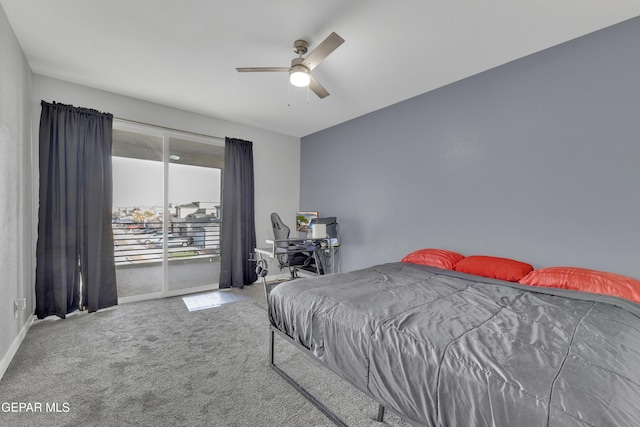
(297, 63)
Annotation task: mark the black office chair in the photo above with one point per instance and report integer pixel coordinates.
(292, 260)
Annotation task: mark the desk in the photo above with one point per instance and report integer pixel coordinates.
(323, 251)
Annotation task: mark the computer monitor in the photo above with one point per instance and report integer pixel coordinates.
(304, 221)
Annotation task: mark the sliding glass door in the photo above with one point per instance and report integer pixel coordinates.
(138, 207)
(166, 211)
(194, 213)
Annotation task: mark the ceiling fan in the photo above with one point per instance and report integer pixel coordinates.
(300, 70)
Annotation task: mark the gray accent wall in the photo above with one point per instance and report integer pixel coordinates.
(537, 160)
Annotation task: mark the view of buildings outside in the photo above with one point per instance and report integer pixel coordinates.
(138, 212)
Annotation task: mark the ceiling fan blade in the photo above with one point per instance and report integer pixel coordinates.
(260, 69)
(323, 50)
(317, 88)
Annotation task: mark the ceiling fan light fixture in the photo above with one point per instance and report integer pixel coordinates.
(299, 76)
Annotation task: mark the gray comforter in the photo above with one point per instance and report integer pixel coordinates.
(447, 349)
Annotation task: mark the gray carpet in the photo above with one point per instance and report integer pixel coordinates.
(154, 363)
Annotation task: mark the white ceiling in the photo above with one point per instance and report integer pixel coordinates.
(184, 53)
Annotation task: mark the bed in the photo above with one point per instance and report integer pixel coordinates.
(441, 347)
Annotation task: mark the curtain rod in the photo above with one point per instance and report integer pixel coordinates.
(168, 128)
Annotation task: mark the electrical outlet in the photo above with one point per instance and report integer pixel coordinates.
(19, 305)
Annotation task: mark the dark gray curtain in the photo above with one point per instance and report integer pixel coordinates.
(238, 234)
(75, 268)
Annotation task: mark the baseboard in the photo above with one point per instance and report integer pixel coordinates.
(143, 297)
(8, 357)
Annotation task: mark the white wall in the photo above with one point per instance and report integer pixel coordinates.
(16, 242)
(20, 96)
(277, 188)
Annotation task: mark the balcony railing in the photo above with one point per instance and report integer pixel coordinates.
(137, 242)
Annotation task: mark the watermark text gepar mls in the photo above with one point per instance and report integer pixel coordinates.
(35, 407)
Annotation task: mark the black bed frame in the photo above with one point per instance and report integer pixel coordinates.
(333, 417)
(272, 331)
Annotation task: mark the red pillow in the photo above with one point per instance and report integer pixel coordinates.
(495, 267)
(585, 280)
(439, 258)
